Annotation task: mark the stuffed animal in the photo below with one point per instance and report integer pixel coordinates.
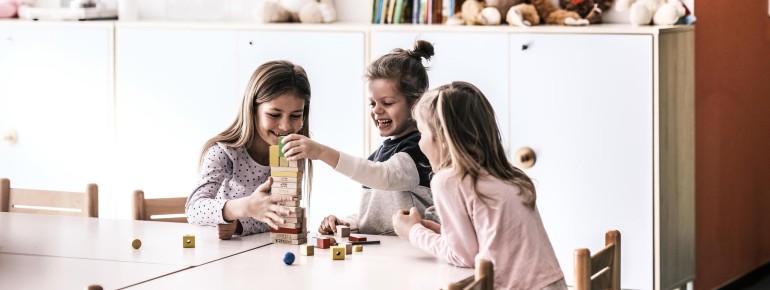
(590, 10)
(305, 11)
(475, 12)
(8, 8)
(545, 11)
(658, 12)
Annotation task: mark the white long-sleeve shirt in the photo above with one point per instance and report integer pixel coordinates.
(227, 173)
(507, 232)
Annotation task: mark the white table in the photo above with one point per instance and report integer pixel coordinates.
(43, 272)
(394, 264)
(107, 239)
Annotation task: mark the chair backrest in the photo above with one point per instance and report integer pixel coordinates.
(484, 279)
(170, 209)
(49, 201)
(602, 270)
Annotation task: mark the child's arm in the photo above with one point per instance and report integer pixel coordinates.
(399, 173)
(202, 201)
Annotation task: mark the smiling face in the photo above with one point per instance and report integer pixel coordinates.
(280, 117)
(390, 111)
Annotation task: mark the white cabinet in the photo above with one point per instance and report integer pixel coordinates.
(334, 63)
(481, 58)
(590, 105)
(175, 89)
(56, 95)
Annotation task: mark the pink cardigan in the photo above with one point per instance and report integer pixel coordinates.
(508, 233)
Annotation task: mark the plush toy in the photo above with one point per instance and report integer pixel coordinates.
(8, 8)
(475, 12)
(305, 11)
(547, 12)
(658, 12)
(590, 10)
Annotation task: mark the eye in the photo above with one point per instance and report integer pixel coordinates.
(296, 117)
(274, 116)
(371, 104)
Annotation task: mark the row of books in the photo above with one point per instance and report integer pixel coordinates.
(414, 11)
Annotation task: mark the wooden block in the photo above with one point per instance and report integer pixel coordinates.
(300, 213)
(348, 248)
(323, 243)
(358, 248)
(282, 162)
(287, 179)
(292, 225)
(338, 253)
(288, 236)
(284, 169)
(293, 209)
(288, 231)
(293, 163)
(287, 185)
(285, 174)
(188, 241)
(280, 147)
(136, 243)
(274, 156)
(290, 242)
(306, 250)
(342, 231)
(293, 203)
(294, 220)
(295, 192)
(356, 239)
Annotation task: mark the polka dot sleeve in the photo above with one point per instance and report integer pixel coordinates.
(203, 208)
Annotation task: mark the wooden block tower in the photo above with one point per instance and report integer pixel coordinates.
(287, 180)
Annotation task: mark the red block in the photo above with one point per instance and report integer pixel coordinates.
(324, 243)
(286, 231)
(356, 239)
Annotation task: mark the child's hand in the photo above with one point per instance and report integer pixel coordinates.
(262, 206)
(329, 225)
(403, 221)
(298, 147)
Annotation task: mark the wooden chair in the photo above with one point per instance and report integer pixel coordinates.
(483, 280)
(49, 202)
(145, 209)
(602, 270)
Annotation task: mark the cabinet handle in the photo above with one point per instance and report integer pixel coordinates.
(525, 157)
(9, 137)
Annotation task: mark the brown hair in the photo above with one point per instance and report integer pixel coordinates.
(460, 116)
(405, 69)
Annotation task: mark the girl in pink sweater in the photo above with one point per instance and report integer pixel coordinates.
(486, 205)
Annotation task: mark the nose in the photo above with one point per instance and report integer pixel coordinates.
(285, 126)
(377, 109)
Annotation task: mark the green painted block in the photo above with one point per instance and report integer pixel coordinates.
(280, 146)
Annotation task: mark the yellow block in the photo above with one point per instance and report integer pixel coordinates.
(274, 161)
(284, 174)
(283, 162)
(188, 241)
(358, 248)
(338, 253)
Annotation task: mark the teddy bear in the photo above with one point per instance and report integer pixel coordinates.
(658, 12)
(8, 8)
(537, 11)
(590, 10)
(305, 11)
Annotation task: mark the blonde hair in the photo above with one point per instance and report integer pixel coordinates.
(268, 82)
(461, 118)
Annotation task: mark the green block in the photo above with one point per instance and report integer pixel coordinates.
(280, 146)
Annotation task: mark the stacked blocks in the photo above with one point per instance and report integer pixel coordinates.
(287, 180)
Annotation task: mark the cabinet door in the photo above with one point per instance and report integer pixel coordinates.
(56, 94)
(176, 88)
(478, 58)
(334, 62)
(584, 104)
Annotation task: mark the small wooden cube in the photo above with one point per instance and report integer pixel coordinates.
(293, 163)
(136, 244)
(282, 160)
(358, 248)
(188, 241)
(348, 248)
(306, 250)
(342, 231)
(356, 239)
(324, 243)
(338, 253)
